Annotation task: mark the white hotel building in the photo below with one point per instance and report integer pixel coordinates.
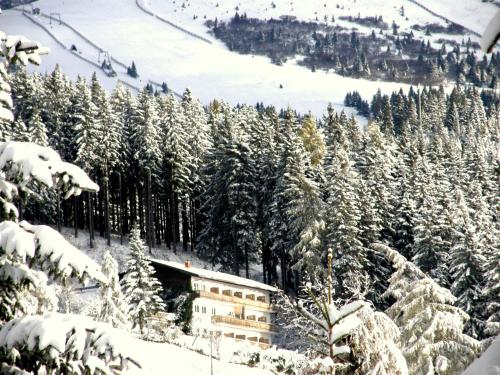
(228, 305)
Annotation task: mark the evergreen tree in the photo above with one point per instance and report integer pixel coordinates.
(38, 131)
(87, 133)
(145, 134)
(312, 140)
(57, 106)
(141, 289)
(432, 337)
(113, 307)
(342, 227)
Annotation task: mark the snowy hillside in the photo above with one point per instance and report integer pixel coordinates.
(121, 251)
(164, 53)
(473, 14)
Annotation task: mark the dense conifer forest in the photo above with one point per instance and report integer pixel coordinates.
(254, 184)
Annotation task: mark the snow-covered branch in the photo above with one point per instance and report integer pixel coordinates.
(67, 342)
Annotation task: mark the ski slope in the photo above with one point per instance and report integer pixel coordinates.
(132, 30)
(473, 14)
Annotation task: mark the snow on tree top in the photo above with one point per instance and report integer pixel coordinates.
(214, 275)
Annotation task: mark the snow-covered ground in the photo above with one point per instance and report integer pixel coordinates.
(488, 363)
(473, 14)
(163, 53)
(158, 358)
(120, 252)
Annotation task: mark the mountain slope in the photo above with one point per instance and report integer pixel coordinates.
(164, 53)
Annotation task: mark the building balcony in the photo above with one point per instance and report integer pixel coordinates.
(249, 324)
(262, 306)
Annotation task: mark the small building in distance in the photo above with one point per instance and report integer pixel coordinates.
(225, 304)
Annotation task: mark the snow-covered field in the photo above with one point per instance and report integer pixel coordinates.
(163, 53)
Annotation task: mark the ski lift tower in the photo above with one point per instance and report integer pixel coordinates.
(54, 16)
(105, 57)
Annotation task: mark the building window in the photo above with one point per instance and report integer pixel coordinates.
(203, 310)
(195, 286)
(196, 308)
(213, 311)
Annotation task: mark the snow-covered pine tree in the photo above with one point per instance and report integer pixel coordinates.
(57, 105)
(176, 156)
(312, 140)
(28, 253)
(467, 265)
(145, 133)
(432, 338)
(262, 139)
(377, 199)
(114, 310)
(229, 236)
(374, 345)
(140, 287)
(87, 133)
(37, 130)
(19, 131)
(122, 103)
(331, 325)
(342, 216)
(297, 207)
(430, 250)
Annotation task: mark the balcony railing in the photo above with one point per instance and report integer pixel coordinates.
(237, 300)
(244, 323)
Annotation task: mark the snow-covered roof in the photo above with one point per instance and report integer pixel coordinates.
(214, 275)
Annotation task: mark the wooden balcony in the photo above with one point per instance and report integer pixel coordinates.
(236, 300)
(251, 324)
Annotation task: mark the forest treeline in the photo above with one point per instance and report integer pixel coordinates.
(390, 55)
(247, 184)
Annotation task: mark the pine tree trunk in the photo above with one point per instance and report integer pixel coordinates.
(100, 206)
(106, 208)
(75, 214)
(247, 267)
(192, 226)
(168, 226)
(149, 213)
(236, 260)
(121, 216)
(185, 225)
(140, 213)
(58, 212)
(283, 269)
(91, 225)
(95, 214)
(173, 222)
(133, 205)
(114, 215)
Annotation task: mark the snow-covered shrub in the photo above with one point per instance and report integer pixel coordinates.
(64, 343)
(284, 361)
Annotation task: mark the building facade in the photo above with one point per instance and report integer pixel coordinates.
(225, 304)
